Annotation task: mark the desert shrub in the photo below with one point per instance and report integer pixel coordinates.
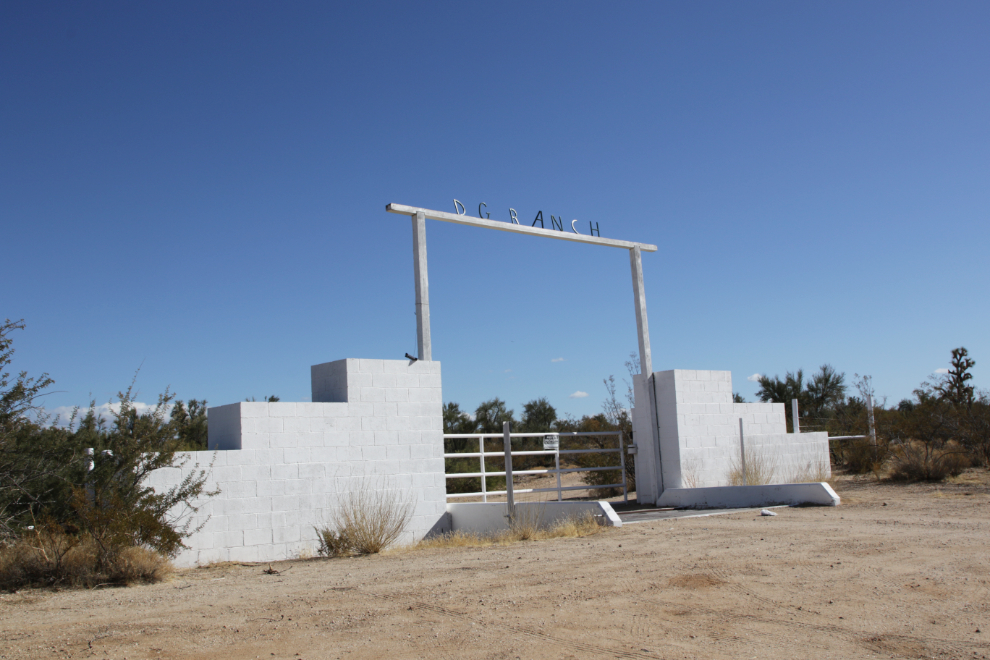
(761, 467)
(920, 461)
(114, 505)
(365, 520)
(45, 474)
(862, 457)
(975, 430)
(49, 557)
(333, 543)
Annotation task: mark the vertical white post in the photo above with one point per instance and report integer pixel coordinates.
(484, 487)
(423, 345)
(794, 416)
(556, 462)
(622, 463)
(646, 362)
(509, 497)
(642, 325)
(742, 451)
(869, 418)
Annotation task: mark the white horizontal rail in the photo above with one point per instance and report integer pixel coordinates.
(569, 434)
(518, 229)
(542, 452)
(459, 475)
(537, 490)
(848, 437)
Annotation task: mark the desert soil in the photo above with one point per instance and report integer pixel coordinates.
(894, 571)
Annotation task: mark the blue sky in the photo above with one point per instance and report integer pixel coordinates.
(198, 190)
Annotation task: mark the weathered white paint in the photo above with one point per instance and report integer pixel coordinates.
(424, 345)
(281, 466)
(736, 497)
(489, 517)
(651, 488)
(518, 229)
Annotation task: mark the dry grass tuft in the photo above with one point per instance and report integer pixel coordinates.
(813, 472)
(570, 527)
(689, 473)
(46, 558)
(761, 467)
(365, 521)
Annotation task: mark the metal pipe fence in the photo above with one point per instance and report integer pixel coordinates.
(556, 470)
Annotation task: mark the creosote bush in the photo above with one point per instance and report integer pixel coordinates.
(365, 521)
(919, 461)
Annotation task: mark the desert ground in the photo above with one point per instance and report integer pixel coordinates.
(895, 572)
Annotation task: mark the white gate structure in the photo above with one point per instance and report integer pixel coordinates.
(279, 467)
(424, 345)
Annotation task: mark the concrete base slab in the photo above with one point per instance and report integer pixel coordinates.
(743, 497)
(490, 517)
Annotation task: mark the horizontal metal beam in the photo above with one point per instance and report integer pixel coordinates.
(545, 452)
(563, 434)
(518, 229)
(541, 490)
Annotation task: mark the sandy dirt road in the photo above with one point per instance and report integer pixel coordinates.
(907, 580)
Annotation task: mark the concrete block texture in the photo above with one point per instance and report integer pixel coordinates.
(699, 433)
(282, 467)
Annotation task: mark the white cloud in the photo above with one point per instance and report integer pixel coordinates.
(941, 371)
(62, 414)
(507, 371)
(754, 378)
(578, 395)
(557, 360)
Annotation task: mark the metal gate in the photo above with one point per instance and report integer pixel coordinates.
(508, 473)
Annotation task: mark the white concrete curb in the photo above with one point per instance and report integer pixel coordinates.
(488, 517)
(744, 497)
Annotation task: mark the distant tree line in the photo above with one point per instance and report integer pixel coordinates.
(941, 430)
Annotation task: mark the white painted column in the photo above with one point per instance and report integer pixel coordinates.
(510, 498)
(794, 416)
(642, 325)
(423, 345)
(646, 362)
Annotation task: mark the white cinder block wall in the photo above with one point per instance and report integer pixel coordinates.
(699, 431)
(280, 467)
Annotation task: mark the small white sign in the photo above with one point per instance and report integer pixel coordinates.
(551, 441)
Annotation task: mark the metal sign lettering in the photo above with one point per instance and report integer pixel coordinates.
(551, 441)
(555, 222)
